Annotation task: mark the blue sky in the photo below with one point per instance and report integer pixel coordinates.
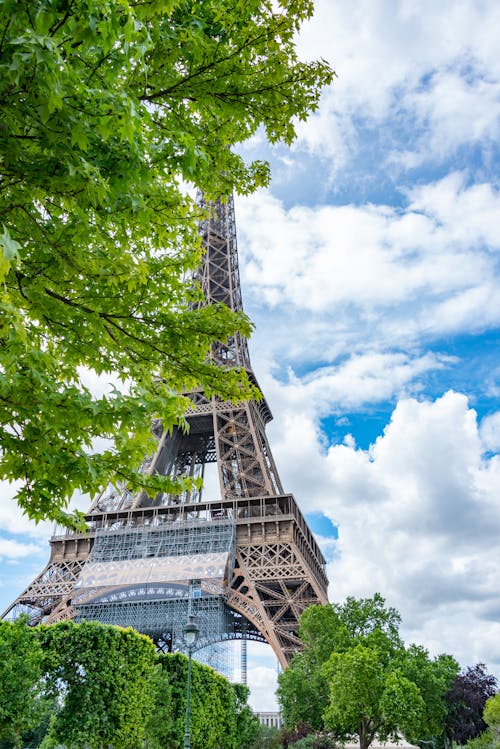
(370, 268)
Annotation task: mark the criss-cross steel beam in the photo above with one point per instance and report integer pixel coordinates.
(277, 569)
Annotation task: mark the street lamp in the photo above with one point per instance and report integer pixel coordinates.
(191, 633)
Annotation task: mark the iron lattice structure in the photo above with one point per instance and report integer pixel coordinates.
(245, 563)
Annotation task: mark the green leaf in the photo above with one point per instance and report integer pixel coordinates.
(108, 108)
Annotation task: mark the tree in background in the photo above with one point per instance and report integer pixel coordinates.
(433, 678)
(303, 688)
(466, 700)
(107, 108)
(21, 703)
(491, 716)
(360, 677)
(370, 698)
(247, 723)
(303, 692)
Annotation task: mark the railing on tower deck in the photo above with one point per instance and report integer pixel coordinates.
(245, 511)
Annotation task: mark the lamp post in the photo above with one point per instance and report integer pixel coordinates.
(191, 632)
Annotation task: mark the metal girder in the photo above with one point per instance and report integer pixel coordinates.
(276, 568)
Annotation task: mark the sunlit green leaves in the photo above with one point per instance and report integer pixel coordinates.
(20, 679)
(9, 252)
(106, 108)
(104, 678)
(355, 676)
(220, 717)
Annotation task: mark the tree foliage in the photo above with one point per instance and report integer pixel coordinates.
(21, 704)
(433, 677)
(220, 716)
(247, 723)
(104, 677)
(316, 741)
(369, 698)
(106, 108)
(491, 715)
(303, 692)
(356, 677)
(466, 700)
(95, 686)
(303, 688)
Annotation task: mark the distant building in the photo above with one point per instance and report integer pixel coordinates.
(270, 719)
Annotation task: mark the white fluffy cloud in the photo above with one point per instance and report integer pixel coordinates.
(490, 432)
(435, 65)
(14, 550)
(418, 518)
(360, 273)
(358, 381)
(262, 677)
(12, 519)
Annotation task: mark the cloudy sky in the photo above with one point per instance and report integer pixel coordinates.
(370, 268)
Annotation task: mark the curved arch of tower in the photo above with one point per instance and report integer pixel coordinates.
(246, 563)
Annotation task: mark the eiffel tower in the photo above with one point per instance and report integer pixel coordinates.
(245, 563)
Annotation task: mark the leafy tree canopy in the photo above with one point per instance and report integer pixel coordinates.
(358, 621)
(355, 675)
(220, 716)
(303, 689)
(466, 700)
(96, 686)
(303, 692)
(20, 680)
(491, 714)
(433, 677)
(105, 679)
(106, 109)
(368, 699)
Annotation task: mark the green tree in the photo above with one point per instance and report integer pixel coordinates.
(106, 109)
(369, 699)
(316, 741)
(303, 692)
(247, 723)
(491, 716)
(357, 621)
(160, 725)
(355, 676)
(220, 716)
(95, 686)
(303, 689)
(104, 678)
(20, 680)
(34, 737)
(433, 678)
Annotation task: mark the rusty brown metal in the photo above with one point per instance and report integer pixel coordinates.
(279, 569)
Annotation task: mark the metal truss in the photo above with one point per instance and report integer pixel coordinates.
(145, 541)
(273, 568)
(163, 619)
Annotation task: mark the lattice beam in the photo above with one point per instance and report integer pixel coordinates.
(276, 569)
